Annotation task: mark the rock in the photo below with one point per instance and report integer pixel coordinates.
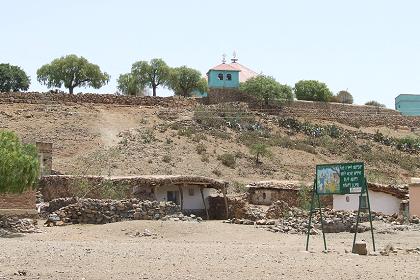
(360, 248)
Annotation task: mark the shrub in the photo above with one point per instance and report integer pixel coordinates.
(19, 165)
(205, 158)
(148, 136)
(201, 149)
(345, 97)
(375, 103)
(166, 158)
(227, 159)
(312, 90)
(217, 172)
(259, 150)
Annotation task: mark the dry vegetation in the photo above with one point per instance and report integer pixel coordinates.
(212, 141)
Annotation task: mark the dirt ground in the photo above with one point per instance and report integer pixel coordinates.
(207, 250)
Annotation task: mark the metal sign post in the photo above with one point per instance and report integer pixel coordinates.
(342, 178)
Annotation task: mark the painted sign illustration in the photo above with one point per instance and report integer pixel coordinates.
(341, 178)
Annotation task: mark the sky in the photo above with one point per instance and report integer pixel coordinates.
(370, 48)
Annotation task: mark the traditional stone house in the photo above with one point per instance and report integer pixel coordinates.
(190, 192)
(386, 199)
(267, 192)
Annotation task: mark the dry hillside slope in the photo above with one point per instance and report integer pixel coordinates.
(208, 140)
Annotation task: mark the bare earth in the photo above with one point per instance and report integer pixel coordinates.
(208, 250)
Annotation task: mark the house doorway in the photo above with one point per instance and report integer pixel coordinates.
(173, 196)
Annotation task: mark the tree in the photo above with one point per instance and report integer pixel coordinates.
(312, 90)
(266, 88)
(129, 85)
(259, 150)
(343, 96)
(13, 78)
(72, 71)
(153, 74)
(375, 103)
(183, 81)
(19, 165)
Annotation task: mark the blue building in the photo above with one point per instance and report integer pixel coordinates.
(408, 104)
(227, 76)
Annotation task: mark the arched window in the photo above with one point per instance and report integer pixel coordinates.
(220, 76)
(229, 77)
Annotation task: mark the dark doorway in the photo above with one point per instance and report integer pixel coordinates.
(173, 196)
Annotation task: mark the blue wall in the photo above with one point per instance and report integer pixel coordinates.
(408, 104)
(215, 82)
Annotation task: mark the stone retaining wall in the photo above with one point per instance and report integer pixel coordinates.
(95, 211)
(354, 115)
(64, 98)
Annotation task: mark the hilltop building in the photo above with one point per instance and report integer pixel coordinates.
(408, 104)
(227, 75)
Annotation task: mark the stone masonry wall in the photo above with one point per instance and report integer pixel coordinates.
(64, 98)
(354, 115)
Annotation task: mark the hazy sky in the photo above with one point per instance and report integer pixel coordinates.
(371, 48)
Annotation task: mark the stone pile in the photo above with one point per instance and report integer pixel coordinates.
(14, 224)
(95, 211)
(182, 217)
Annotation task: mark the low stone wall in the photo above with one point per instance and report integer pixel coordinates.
(354, 115)
(24, 200)
(64, 98)
(95, 211)
(53, 187)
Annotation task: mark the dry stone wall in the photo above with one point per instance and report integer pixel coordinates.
(64, 98)
(95, 211)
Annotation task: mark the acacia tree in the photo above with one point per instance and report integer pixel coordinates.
(183, 81)
(151, 74)
(72, 71)
(266, 88)
(13, 78)
(312, 90)
(129, 85)
(259, 150)
(19, 165)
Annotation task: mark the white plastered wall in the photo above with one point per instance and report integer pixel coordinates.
(191, 202)
(379, 202)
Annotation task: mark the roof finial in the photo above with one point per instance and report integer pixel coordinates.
(224, 58)
(234, 59)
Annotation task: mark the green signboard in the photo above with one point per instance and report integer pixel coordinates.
(340, 178)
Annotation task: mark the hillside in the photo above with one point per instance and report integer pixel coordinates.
(212, 141)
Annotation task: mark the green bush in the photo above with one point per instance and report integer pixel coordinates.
(19, 165)
(227, 159)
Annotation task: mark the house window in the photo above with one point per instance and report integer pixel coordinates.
(264, 195)
(191, 191)
(173, 196)
(220, 76)
(229, 77)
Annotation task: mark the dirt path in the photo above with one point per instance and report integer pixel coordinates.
(209, 250)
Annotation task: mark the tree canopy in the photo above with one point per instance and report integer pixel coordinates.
(13, 78)
(375, 103)
(151, 74)
(343, 96)
(183, 81)
(72, 71)
(266, 88)
(19, 165)
(312, 90)
(129, 85)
